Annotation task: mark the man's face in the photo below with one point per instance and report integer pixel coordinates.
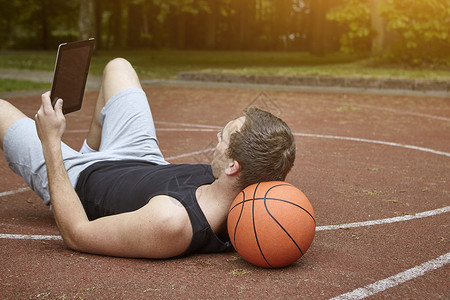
(220, 158)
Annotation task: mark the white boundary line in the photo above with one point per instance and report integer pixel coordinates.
(188, 125)
(395, 280)
(392, 110)
(374, 142)
(190, 154)
(188, 129)
(20, 190)
(421, 215)
(404, 112)
(30, 237)
(386, 221)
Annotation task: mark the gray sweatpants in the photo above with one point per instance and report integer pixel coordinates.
(128, 133)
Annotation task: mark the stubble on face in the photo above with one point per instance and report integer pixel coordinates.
(220, 158)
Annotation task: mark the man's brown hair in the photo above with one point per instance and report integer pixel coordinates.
(264, 147)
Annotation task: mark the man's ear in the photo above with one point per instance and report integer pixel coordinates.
(233, 168)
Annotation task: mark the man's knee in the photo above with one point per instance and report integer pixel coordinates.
(117, 64)
(9, 112)
(118, 75)
(8, 116)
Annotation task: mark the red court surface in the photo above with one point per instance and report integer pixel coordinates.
(376, 169)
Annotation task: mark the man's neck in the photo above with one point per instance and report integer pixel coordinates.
(215, 200)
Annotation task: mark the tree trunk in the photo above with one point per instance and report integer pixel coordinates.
(86, 20)
(135, 24)
(322, 35)
(211, 21)
(246, 15)
(45, 27)
(317, 45)
(98, 10)
(181, 30)
(378, 24)
(116, 24)
(152, 27)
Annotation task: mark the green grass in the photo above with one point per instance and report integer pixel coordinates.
(152, 64)
(8, 85)
(167, 64)
(355, 69)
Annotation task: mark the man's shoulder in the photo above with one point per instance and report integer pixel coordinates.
(171, 217)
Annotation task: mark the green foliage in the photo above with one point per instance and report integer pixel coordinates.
(157, 24)
(37, 24)
(414, 31)
(422, 28)
(354, 16)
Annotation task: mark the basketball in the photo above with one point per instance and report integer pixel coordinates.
(271, 224)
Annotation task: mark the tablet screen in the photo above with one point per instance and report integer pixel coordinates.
(70, 75)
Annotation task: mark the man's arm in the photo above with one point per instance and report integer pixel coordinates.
(50, 125)
(159, 229)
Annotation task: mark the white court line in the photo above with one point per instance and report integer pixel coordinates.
(21, 190)
(424, 214)
(190, 154)
(408, 113)
(188, 129)
(386, 221)
(396, 111)
(395, 280)
(188, 125)
(373, 142)
(30, 237)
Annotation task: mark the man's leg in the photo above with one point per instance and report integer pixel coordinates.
(118, 75)
(8, 116)
(22, 148)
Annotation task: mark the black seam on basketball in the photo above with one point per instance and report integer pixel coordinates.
(243, 200)
(285, 201)
(281, 226)
(237, 222)
(254, 225)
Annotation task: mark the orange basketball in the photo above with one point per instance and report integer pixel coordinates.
(271, 224)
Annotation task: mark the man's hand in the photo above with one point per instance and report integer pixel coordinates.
(50, 123)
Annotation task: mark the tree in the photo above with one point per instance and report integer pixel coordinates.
(36, 24)
(422, 27)
(8, 21)
(355, 16)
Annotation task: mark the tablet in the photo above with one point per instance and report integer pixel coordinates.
(70, 74)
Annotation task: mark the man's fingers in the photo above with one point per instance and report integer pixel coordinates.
(45, 97)
(59, 106)
(46, 102)
(47, 106)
